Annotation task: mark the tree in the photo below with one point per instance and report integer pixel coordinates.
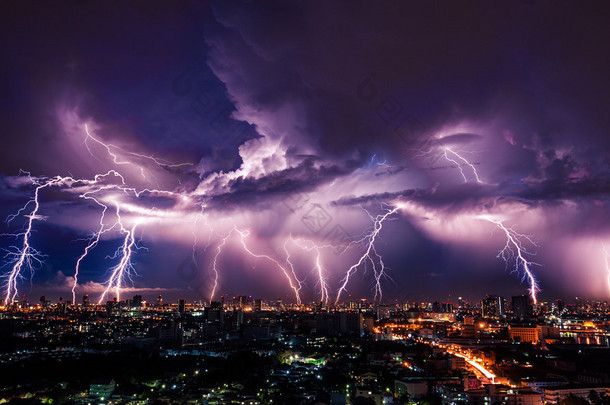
(597, 399)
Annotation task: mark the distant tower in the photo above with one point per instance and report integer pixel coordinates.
(181, 306)
(86, 300)
(159, 301)
(43, 301)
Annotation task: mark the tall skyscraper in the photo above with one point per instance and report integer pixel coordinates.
(86, 300)
(522, 307)
(492, 306)
(213, 316)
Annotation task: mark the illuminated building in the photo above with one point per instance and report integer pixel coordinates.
(525, 334)
(102, 388)
(468, 328)
(496, 393)
(554, 395)
(113, 307)
(492, 306)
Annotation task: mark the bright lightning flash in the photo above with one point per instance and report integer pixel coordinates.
(370, 255)
(515, 250)
(294, 282)
(25, 257)
(607, 261)
(310, 246)
(459, 165)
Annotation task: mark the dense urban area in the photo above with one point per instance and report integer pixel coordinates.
(241, 350)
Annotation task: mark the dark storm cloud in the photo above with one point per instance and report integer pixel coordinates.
(518, 61)
(278, 184)
(115, 64)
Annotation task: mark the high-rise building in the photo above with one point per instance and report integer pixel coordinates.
(559, 306)
(181, 306)
(137, 301)
(468, 329)
(171, 335)
(522, 307)
(258, 305)
(159, 301)
(447, 307)
(113, 307)
(86, 300)
(213, 316)
(237, 319)
(492, 306)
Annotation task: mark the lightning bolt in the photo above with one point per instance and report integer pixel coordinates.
(200, 216)
(607, 261)
(295, 285)
(117, 160)
(460, 166)
(296, 288)
(215, 264)
(310, 246)
(124, 269)
(26, 257)
(93, 241)
(370, 255)
(516, 250)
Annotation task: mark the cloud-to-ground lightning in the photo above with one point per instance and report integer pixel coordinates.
(515, 249)
(215, 264)
(124, 268)
(310, 246)
(26, 256)
(607, 262)
(294, 285)
(370, 255)
(92, 243)
(294, 282)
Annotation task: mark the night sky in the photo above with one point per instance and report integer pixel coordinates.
(266, 148)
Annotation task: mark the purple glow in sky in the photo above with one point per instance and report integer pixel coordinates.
(306, 151)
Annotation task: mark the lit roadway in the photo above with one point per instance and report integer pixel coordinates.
(478, 368)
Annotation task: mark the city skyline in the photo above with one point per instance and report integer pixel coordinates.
(289, 153)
